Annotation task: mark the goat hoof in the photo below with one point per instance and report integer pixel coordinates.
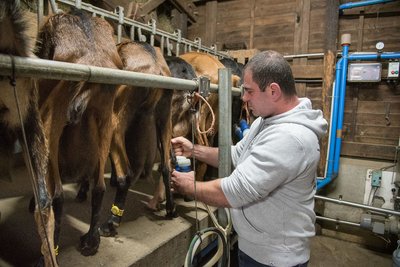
(108, 229)
(89, 244)
(171, 214)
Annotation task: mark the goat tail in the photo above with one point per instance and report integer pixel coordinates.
(14, 26)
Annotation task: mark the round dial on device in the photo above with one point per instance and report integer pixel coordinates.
(380, 45)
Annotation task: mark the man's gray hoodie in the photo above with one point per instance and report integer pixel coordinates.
(272, 187)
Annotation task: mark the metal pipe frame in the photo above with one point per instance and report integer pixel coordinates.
(363, 3)
(322, 218)
(357, 205)
(56, 70)
(144, 27)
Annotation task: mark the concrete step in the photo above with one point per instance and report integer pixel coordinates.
(145, 238)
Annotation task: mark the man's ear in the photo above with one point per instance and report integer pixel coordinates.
(276, 91)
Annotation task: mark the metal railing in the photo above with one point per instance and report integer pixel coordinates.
(171, 41)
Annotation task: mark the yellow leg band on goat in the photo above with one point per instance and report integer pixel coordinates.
(116, 211)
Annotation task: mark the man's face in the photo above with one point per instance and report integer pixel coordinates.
(259, 102)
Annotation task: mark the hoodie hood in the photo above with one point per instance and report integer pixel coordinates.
(302, 114)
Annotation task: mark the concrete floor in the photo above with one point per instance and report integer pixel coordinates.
(145, 238)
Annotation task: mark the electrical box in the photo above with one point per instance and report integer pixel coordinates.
(364, 72)
(376, 178)
(393, 70)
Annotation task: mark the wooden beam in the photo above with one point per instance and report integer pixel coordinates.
(330, 50)
(252, 22)
(301, 38)
(186, 6)
(149, 6)
(179, 21)
(211, 22)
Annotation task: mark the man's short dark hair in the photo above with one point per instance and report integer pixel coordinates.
(271, 67)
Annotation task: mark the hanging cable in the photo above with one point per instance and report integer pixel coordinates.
(31, 172)
(222, 254)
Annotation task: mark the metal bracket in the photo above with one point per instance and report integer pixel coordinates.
(204, 86)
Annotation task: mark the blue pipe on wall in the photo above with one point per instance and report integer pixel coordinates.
(363, 3)
(375, 56)
(336, 98)
(335, 141)
(338, 110)
(339, 127)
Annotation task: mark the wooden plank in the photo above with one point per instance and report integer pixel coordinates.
(275, 20)
(377, 119)
(307, 71)
(387, 132)
(234, 5)
(226, 16)
(186, 6)
(314, 91)
(149, 6)
(211, 23)
(331, 28)
(252, 22)
(372, 151)
(301, 33)
(375, 140)
(377, 107)
(284, 7)
(179, 21)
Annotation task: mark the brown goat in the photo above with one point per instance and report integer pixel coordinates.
(203, 65)
(77, 116)
(15, 42)
(181, 119)
(142, 123)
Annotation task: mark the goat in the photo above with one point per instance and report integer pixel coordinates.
(142, 123)
(77, 116)
(181, 116)
(15, 42)
(203, 65)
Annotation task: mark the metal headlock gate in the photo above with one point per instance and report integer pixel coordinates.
(170, 41)
(48, 69)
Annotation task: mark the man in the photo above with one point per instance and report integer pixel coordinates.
(271, 191)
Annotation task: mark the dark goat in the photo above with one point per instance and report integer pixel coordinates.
(203, 65)
(181, 115)
(15, 42)
(77, 116)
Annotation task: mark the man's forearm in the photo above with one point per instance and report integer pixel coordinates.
(210, 193)
(208, 155)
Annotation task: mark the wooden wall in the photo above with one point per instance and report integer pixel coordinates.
(372, 113)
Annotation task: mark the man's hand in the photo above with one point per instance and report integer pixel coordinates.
(182, 182)
(182, 146)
